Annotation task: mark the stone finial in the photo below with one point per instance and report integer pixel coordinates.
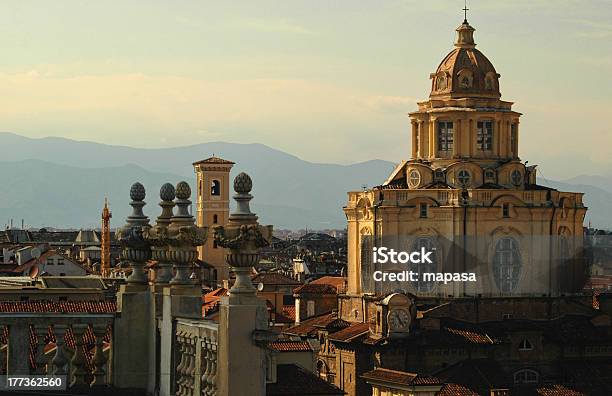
(243, 183)
(243, 237)
(183, 191)
(136, 248)
(184, 236)
(137, 192)
(242, 186)
(167, 192)
(158, 235)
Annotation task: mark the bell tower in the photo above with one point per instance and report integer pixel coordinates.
(212, 178)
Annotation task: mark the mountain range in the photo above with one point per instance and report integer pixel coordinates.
(62, 183)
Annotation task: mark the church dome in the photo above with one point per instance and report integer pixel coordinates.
(465, 72)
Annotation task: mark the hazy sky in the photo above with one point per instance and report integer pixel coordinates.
(328, 81)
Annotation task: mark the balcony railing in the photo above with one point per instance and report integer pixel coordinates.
(196, 357)
(75, 345)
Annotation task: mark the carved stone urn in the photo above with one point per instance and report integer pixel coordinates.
(243, 237)
(158, 235)
(184, 237)
(135, 247)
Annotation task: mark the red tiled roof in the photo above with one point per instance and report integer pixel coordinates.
(211, 300)
(472, 336)
(399, 377)
(311, 326)
(315, 289)
(213, 160)
(455, 390)
(273, 278)
(351, 332)
(558, 390)
(290, 346)
(59, 306)
(295, 380)
(289, 311)
(337, 281)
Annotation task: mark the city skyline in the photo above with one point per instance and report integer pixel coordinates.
(180, 78)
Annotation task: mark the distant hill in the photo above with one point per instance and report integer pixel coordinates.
(62, 183)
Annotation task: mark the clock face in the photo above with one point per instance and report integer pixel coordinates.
(399, 319)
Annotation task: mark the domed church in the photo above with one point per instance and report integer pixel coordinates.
(466, 195)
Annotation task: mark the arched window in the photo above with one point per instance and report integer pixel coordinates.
(215, 188)
(525, 345)
(526, 376)
(507, 264)
(215, 219)
(366, 256)
(428, 244)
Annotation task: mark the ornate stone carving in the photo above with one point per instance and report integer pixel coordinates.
(243, 236)
(136, 248)
(183, 237)
(159, 237)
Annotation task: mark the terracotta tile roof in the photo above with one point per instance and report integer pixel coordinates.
(290, 346)
(289, 311)
(211, 300)
(558, 390)
(311, 326)
(351, 332)
(455, 390)
(295, 380)
(316, 289)
(479, 375)
(337, 281)
(59, 306)
(399, 377)
(472, 336)
(213, 160)
(273, 278)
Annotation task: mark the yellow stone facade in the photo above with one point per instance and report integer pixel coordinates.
(213, 188)
(465, 178)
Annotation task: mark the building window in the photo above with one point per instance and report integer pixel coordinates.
(526, 376)
(414, 178)
(464, 178)
(215, 219)
(60, 261)
(215, 188)
(439, 175)
(516, 177)
(445, 135)
(50, 261)
(423, 211)
(484, 137)
(506, 210)
(525, 345)
(513, 138)
(506, 316)
(429, 245)
(489, 174)
(310, 308)
(507, 264)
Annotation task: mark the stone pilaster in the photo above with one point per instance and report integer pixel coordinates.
(243, 316)
(135, 326)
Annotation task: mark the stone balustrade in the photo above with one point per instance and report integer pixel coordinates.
(196, 358)
(71, 344)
